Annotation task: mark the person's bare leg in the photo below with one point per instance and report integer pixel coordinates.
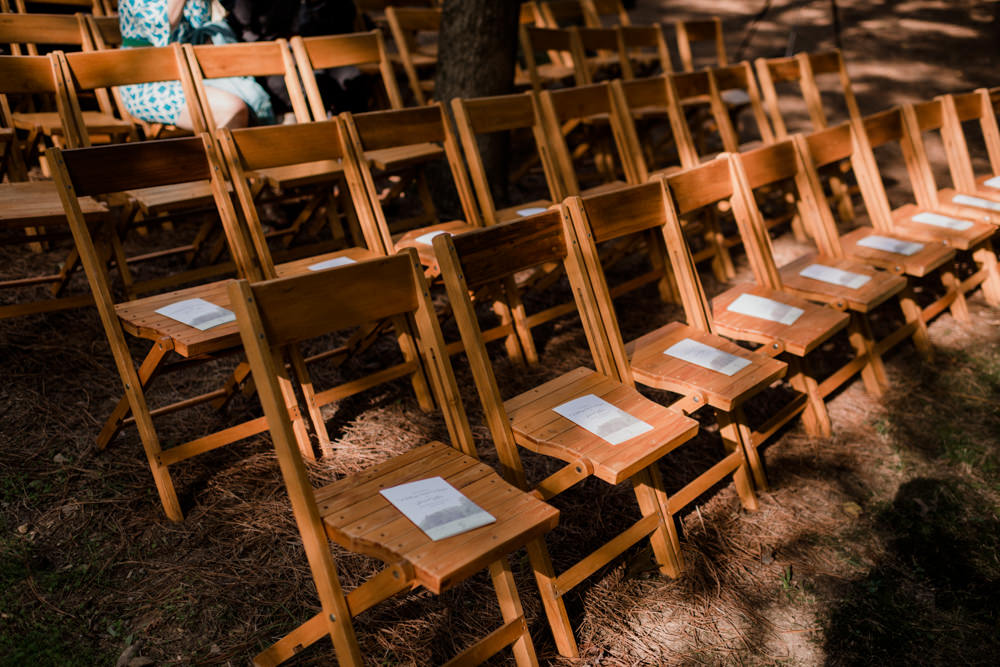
(227, 109)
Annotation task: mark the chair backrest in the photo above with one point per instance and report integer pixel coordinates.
(641, 209)
(637, 97)
(708, 30)
(327, 51)
(781, 162)
(706, 185)
(414, 32)
(486, 116)
(216, 61)
(396, 128)
(807, 71)
(28, 6)
(105, 32)
(38, 75)
(94, 70)
(580, 104)
(838, 143)
(247, 150)
(561, 13)
(903, 128)
(606, 46)
(605, 12)
(560, 45)
(710, 84)
(636, 40)
(491, 255)
(22, 33)
(960, 111)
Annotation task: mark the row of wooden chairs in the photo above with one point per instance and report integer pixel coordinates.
(633, 210)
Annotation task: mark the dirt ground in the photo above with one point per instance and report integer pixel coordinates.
(880, 545)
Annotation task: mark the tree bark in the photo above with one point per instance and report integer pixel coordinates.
(477, 50)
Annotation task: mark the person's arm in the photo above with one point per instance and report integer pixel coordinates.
(175, 10)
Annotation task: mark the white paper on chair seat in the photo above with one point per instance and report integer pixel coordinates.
(602, 419)
(197, 313)
(828, 274)
(978, 202)
(993, 182)
(531, 210)
(429, 236)
(330, 263)
(707, 356)
(438, 508)
(938, 220)
(895, 246)
(765, 309)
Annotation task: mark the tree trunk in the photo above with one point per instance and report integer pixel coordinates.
(477, 49)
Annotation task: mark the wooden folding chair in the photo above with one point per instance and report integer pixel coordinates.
(644, 210)
(784, 325)
(582, 116)
(826, 276)
(395, 133)
(190, 200)
(662, 149)
(928, 219)
(251, 151)
(807, 72)
(563, 51)
(644, 51)
(31, 213)
(959, 112)
(414, 32)
(878, 244)
(510, 114)
(364, 50)
(276, 314)
(708, 30)
(493, 255)
(92, 172)
(30, 30)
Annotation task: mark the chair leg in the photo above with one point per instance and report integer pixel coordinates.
(147, 372)
(815, 417)
(511, 610)
(986, 258)
(309, 396)
(735, 435)
(959, 307)
(555, 608)
(873, 373)
(652, 496)
(912, 313)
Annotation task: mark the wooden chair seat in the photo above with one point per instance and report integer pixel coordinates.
(813, 328)
(919, 264)
(401, 157)
(863, 299)
(653, 368)
(33, 203)
(960, 239)
(50, 123)
(513, 212)
(604, 187)
(538, 428)
(359, 518)
(301, 175)
(426, 250)
(986, 212)
(172, 198)
(139, 318)
(299, 266)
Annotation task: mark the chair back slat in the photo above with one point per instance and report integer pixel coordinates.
(123, 67)
(499, 113)
(830, 145)
(400, 127)
(60, 29)
(887, 126)
(26, 75)
(98, 170)
(643, 204)
(696, 188)
(770, 164)
(280, 145)
(321, 303)
(493, 253)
